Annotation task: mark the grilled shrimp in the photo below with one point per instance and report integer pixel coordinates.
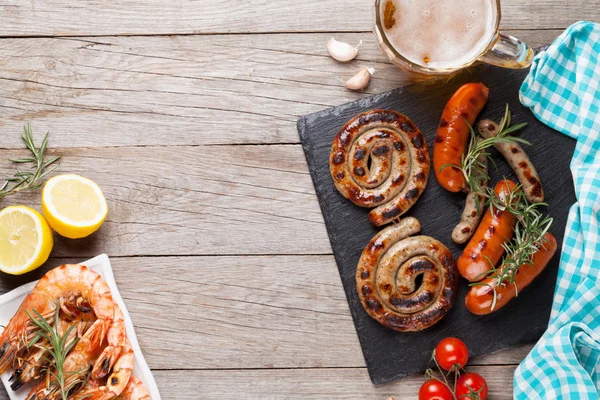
(20, 330)
(116, 383)
(116, 338)
(79, 286)
(33, 365)
(135, 390)
(76, 367)
(68, 288)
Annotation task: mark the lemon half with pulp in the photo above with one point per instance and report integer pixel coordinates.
(25, 240)
(74, 206)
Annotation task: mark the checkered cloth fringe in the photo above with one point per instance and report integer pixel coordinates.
(563, 91)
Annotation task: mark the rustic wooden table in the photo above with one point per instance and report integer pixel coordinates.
(185, 113)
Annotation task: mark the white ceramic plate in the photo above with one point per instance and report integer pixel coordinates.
(10, 302)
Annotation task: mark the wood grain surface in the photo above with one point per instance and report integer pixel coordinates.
(164, 17)
(181, 90)
(173, 200)
(229, 312)
(185, 113)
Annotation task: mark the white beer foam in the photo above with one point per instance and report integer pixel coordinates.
(442, 33)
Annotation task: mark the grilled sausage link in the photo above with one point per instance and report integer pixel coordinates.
(386, 278)
(453, 134)
(473, 212)
(486, 247)
(380, 159)
(480, 299)
(518, 161)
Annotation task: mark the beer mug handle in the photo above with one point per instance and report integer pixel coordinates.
(508, 52)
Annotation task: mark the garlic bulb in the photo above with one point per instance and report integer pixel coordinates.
(342, 51)
(360, 80)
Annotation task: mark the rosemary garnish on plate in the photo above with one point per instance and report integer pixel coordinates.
(40, 167)
(58, 346)
(472, 168)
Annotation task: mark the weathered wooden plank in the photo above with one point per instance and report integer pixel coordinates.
(184, 90)
(96, 17)
(307, 384)
(242, 312)
(303, 384)
(175, 200)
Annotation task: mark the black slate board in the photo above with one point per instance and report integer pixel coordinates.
(389, 354)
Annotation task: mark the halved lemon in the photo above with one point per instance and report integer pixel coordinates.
(74, 206)
(25, 240)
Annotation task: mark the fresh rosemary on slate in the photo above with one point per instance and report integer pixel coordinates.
(529, 231)
(471, 167)
(531, 225)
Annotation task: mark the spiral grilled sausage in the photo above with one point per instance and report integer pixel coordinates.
(380, 159)
(387, 272)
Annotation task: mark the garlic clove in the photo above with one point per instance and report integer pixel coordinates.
(360, 80)
(342, 51)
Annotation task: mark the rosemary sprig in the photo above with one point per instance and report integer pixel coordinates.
(529, 232)
(472, 168)
(40, 167)
(58, 346)
(505, 127)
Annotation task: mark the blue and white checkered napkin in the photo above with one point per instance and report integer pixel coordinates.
(563, 91)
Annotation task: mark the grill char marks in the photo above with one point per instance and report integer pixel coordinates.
(518, 160)
(380, 160)
(412, 280)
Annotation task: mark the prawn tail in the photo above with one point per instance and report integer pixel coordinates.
(95, 334)
(135, 390)
(76, 382)
(29, 369)
(121, 374)
(117, 381)
(105, 362)
(7, 356)
(20, 377)
(40, 392)
(96, 395)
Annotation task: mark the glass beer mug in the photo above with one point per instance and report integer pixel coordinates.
(442, 36)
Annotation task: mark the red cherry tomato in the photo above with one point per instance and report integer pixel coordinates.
(451, 353)
(433, 389)
(471, 386)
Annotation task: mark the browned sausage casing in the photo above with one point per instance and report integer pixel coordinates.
(486, 247)
(472, 214)
(480, 299)
(387, 273)
(518, 161)
(452, 136)
(380, 159)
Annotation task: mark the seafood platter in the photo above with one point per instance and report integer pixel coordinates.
(69, 335)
